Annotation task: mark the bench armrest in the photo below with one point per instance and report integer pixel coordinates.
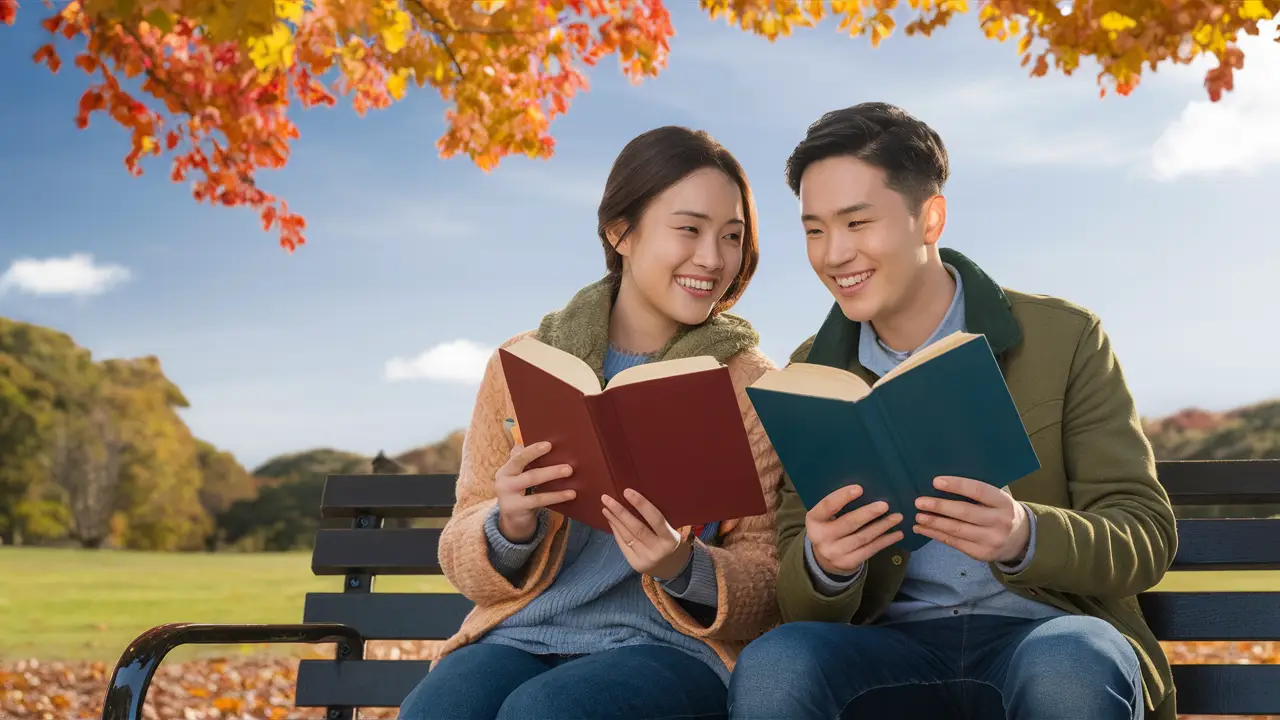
(133, 672)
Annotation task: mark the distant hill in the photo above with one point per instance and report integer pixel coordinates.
(1247, 433)
(320, 461)
(444, 456)
(284, 515)
(441, 457)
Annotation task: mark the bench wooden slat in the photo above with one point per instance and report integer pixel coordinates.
(391, 616)
(1202, 689)
(1221, 482)
(363, 683)
(1227, 689)
(409, 551)
(391, 496)
(1213, 616)
(1228, 544)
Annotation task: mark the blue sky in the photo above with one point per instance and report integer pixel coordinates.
(1156, 211)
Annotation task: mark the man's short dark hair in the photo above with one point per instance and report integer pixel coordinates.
(909, 152)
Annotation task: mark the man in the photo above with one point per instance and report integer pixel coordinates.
(1022, 605)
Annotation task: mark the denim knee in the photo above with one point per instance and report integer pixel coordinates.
(1075, 667)
(775, 673)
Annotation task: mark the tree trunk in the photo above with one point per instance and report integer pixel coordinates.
(86, 463)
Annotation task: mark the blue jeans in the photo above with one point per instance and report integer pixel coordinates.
(973, 666)
(645, 682)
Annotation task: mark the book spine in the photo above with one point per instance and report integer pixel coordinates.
(892, 449)
(613, 443)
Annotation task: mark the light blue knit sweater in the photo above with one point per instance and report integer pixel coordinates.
(597, 602)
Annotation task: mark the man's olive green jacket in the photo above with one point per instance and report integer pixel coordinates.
(1105, 530)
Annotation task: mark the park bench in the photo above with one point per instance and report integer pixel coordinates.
(366, 549)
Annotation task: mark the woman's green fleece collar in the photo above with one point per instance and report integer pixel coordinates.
(581, 328)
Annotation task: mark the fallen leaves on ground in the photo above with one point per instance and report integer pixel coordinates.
(260, 686)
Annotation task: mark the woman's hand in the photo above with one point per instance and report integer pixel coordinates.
(651, 546)
(517, 504)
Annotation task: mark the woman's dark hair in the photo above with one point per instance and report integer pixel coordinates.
(653, 162)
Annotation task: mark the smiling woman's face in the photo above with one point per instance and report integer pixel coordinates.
(687, 247)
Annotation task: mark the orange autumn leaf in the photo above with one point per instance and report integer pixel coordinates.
(220, 81)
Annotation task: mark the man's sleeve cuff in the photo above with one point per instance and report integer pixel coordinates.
(1031, 547)
(824, 583)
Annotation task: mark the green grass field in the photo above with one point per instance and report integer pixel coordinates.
(72, 604)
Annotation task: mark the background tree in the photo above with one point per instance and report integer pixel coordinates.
(96, 452)
(86, 465)
(26, 407)
(44, 376)
(212, 83)
(161, 481)
(224, 482)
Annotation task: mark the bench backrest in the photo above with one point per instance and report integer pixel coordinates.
(366, 550)
(1231, 616)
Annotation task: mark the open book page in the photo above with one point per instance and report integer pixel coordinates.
(663, 368)
(815, 380)
(569, 368)
(954, 340)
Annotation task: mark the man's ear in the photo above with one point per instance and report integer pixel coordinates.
(618, 237)
(934, 217)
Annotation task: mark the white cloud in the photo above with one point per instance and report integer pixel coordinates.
(459, 361)
(75, 274)
(1237, 133)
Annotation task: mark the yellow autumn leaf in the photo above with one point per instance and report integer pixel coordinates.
(397, 82)
(1254, 10)
(1115, 22)
(396, 34)
(148, 144)
(1024, 44)
(290, 10)
(769, 27)
(881, 28)
(274, 51)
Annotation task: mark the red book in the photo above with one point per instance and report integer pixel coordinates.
(671, 430)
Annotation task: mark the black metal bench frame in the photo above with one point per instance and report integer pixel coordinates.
(365, 550)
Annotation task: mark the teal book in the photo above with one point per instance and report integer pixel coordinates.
(944, 411)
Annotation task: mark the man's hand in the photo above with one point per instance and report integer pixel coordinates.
(651, 546)
(841, 544)
(996, 529)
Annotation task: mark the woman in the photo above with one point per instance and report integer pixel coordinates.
(646, 621)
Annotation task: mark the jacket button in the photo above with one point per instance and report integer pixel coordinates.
(897, 559)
